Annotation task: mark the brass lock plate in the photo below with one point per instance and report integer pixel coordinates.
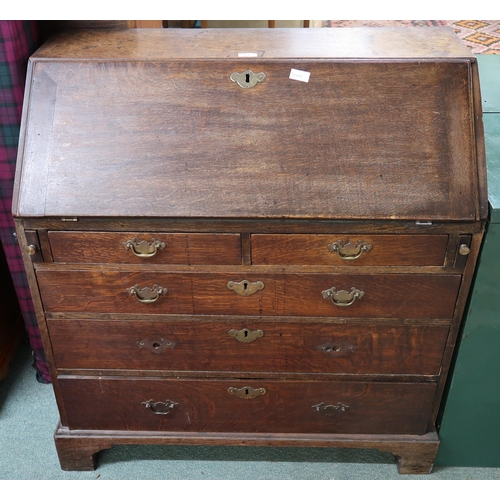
(245, 288)
(246, 392)
(247, 79)
(245, 335)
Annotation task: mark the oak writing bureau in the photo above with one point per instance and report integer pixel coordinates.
(251, 237)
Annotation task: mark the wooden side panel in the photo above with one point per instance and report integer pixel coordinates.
(208, 406)
(32, 172)
(282, 347)
(398, 296)
(480, 146)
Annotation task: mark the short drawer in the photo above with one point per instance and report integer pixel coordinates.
(204, 405)
(349, 250)
(145, 248)
(308, 294)
(249, 345)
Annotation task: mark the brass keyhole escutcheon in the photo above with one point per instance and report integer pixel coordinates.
(246, 336)
(247, 79)
(246, 392)
(245, 287)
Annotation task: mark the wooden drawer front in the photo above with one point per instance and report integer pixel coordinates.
(349, 250)
(173, 248)
(391, 295)
(247, 346)
(208, 405)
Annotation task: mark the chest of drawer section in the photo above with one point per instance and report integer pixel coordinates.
(249, 304)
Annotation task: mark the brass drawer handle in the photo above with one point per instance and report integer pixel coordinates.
(330, 410)
(246, 336)
(348, 250)
(156, 346)
(247, 392)
(160, 407)
(147, 295)
(245, 287)
(247, 79)
(143, 249)
(342, 298)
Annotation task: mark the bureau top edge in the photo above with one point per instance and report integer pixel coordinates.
(241, 43)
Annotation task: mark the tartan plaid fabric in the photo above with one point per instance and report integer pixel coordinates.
(18, 40)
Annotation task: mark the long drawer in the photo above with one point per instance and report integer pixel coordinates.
(246, 406)
(308, 294)
(145, 248)
(247, 346)
(349, 250)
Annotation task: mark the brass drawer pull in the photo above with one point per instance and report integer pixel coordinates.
(247, 392)
(348, 250)
(247, 79)
(464, 249)
(245, 287)
(335, 350)
(342, 297)
(143, 249)
(160, 408)
(31, 250)
(246, 336)
(147, 295)
(156, 346)
(330, 410)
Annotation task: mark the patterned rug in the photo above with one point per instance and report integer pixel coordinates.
(482, 37)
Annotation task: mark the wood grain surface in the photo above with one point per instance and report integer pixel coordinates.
(144, 134)
(220, 44)
(180, 248)
(284, 347)
(206, 405)
(397, 296)
(378, 140)
(390, 250)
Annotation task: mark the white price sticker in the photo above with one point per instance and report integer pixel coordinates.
(248, 54)
(301, 76)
